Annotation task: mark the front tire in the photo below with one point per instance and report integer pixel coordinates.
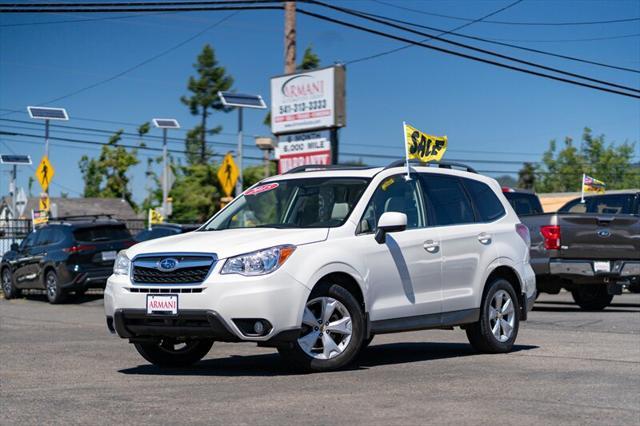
(8, 288)
(592, 297)
(332, 331)
(169, 353)
(55, 294)
(499, 321)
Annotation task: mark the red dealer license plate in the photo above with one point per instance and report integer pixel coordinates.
(166, 304)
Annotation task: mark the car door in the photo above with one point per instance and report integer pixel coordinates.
(465, 243)
(23, 267)
(404, 272)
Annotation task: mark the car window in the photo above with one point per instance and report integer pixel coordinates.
(102, 233)
(524, 204)
(44, 237)
(30, 240)
(394, 194)
(485, 200)
(292, 203)
(602, 204)
(448, 200)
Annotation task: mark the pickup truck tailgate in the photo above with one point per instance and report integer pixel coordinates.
(594, 236)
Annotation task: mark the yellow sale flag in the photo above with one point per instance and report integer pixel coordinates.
(423, 147)
(155, 217)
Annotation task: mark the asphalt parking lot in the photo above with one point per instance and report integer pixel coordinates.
(60, 365)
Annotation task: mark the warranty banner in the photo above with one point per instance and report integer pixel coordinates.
(423, 147)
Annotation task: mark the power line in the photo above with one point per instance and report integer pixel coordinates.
(69, 21)
(458, 18)
(443, 32)
(143, 148)
(140, 64)
(485, 40)
(356, 13)
(464, 55)
(567, 40)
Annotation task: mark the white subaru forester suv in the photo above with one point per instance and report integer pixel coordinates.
(317, 261)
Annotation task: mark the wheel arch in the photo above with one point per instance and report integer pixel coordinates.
(348, 282)
(510, 274)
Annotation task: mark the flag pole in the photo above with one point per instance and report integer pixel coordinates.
(406, 149)
(582, 189)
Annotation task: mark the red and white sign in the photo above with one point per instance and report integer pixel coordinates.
(260, 189)
(166, 304)
(312, 148)
(307, 101)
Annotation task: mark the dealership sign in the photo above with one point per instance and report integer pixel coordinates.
(303, 149)
(308, 101)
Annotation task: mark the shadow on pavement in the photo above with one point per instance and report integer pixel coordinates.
(272, 365)
(558, 306)
(72, 299)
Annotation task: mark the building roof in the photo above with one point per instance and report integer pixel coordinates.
(80, 206)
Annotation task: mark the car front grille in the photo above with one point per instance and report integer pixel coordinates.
(189, 269)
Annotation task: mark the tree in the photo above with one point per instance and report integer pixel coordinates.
(211, 78)
(562, 171)
(106, 176)
(527, 176)
(195, 194)
(143, 129)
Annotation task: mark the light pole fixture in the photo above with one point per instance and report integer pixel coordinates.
(266, 145)
(241, 101)
(164, 124)
(47, 114)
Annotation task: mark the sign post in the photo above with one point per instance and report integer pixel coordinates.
(241, 101)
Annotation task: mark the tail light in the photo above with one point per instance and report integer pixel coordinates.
(523, 231)
(79, 248)
(551, 235)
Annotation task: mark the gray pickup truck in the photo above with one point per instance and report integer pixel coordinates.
(590, 248)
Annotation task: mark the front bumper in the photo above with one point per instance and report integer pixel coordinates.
(213, 309)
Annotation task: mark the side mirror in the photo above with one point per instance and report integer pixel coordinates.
(14, 246)
(390, 222)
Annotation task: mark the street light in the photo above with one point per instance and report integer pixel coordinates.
(47, 114)
(241, 101)
(164, 124)
(266, 145)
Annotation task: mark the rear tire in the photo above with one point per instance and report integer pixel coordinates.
(8, 288)
(55, 294)
(592, 297)
(499, 319)
(168, 353)
(332, 331)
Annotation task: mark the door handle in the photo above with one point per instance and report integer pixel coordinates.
(484, 238)
(431, 246)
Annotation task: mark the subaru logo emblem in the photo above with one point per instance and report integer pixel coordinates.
(604, 233)
(168, 264)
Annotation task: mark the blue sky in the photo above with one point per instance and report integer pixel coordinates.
(485, 111)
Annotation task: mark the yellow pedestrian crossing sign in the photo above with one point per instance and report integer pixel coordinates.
(228, 174)
(45, 204)
(44, 173)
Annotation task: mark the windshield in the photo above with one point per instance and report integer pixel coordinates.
(294, 203)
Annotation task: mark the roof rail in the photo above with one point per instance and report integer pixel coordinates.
(440, 164)
(319, 167)
(81, 217)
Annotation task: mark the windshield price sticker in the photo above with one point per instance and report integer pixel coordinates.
(262, 188)
(422, 146)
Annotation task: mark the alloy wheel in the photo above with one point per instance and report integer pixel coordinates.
(6, 282)
(326, 328)
(52, 286)
(502, 316)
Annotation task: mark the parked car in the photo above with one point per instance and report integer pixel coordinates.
(591, 249)
(524, 202)
(164, 230)
(64, 255)
(316, 262)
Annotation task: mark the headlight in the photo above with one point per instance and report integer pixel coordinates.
(122, 264)
(258, 262)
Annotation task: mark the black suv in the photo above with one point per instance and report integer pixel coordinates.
(64, 255)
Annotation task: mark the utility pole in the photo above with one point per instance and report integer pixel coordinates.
(290, 37)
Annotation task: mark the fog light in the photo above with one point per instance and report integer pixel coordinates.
(258, 327)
